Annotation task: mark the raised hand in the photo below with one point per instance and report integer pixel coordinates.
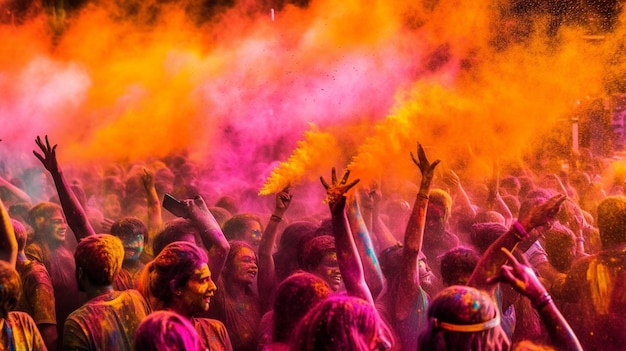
(336, 191)
(427, 168)
(544, 213)
(48, 157)
(147, 178)
(521, 277)
(283, 200)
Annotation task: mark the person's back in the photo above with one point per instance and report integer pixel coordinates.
(106, 322)
(109, 319)
(597, 284)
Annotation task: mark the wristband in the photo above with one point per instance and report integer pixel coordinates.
(276, 218)
(519, 231)
(543, 301)
(422, 196)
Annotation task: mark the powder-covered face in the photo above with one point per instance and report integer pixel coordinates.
(55, 227)
(197, 293)
(244, 266)
(133, 246)
(328, 269)
(252, 233)
(435, 218)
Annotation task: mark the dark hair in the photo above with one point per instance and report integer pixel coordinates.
(174, 230)
(456, 263)
(235, 247)
(100, 257)
(340, 323)
(175, 264)
(315, 250)
(235, 226)
(166, 331)
(10, 289)
(128, 227)
(559, 242)
(463, 306)
(483, 235)
(295, 296)
(612, 221)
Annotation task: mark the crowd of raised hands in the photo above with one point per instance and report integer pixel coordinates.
(101, 260)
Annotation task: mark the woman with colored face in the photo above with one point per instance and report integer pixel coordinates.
(237, 304)
(179, 280)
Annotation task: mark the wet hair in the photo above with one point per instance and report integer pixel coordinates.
(612, 221)
(10, 289)
(166, 331)
(456, 263)
(340, 323)
(128, 227)
(235, 227)
(483, 235)
(295, 296)
(174, 230)
(462, 307)
(175, 264)
(314, 251)
(100, 257)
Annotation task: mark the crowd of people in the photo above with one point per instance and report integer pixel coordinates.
(528, 260)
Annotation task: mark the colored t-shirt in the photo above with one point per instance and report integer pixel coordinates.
(37, 293)
(23, 333)
(212, 334)
(106, 322)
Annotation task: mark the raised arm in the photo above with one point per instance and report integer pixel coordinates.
(493, 258)
(461, 197)
(348, 258)
(525, 281)
(210, 233)
(267, 272)
(369, 204)
(365, 247)
(74, 212)
(16, 192)
(155, 221)
(8, 243)
(495, 201)
(409, 286)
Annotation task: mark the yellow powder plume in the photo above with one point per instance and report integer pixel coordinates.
(307, 162)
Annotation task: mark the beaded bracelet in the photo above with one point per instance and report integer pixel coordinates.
(276, 218)
(543, 301)
(519, 231)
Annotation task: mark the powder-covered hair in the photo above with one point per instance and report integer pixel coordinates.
(235, 226)
(314, 251)
(42, 210)
(295, 296)
(461, 306)
(100, 257)
(442, 198)
(10, 289)
(612, 221)
(174, 230)
(129, 226)
(166, 331)
(175, 264)
(341, 323)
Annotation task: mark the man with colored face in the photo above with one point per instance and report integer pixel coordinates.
(131, 231)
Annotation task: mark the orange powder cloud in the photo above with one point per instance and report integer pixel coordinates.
(240, 90)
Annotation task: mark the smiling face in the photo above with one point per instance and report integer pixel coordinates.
(244, 267)
(196, 294)
(55, 227)
(328, 269)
